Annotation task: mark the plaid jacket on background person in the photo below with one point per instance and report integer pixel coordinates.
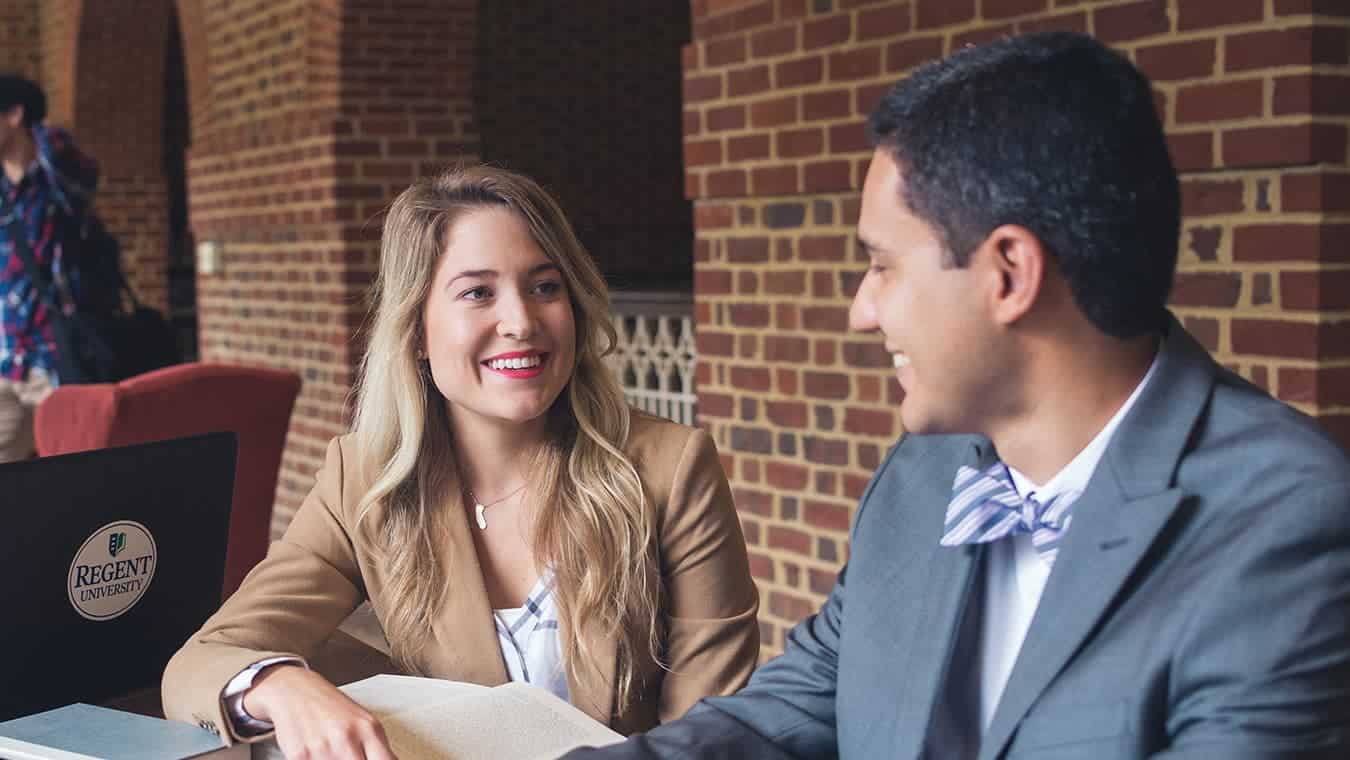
(49, 201)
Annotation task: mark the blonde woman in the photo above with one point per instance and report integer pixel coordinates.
(494, 481)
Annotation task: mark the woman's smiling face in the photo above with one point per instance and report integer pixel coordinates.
(499, 330)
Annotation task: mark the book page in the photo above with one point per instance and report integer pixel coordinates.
(431, 719)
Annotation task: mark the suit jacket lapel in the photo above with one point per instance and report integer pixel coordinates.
(466, 647)
(924, 671)
(1128, 501)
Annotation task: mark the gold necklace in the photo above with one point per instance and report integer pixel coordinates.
(479, 508)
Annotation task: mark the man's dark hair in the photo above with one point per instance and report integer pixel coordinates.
(16, 90)
(1056, 133)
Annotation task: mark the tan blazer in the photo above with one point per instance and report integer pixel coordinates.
(313, 577)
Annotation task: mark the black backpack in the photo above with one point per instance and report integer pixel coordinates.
(110, 336)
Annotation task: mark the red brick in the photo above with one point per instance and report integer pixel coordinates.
(1118, 23)
(797, 143)
(714, 404)
(855, 64)
(1285, 145)
(1191, 150)
(702, 152)
(869, 97)
(1220, 102)
(1207, 198)
(821, 581)
(819, 514)
(855, 485)
(790, 539)
(930, 14)
(822, 285)
(1298, 46)
(755, 15)
(789, 477)
(1326, 386)
(726, 117)
(1277, 242)
(785, 283)
(761, 566)
(725, 51)
(750, 378)
(1205, 330)
(825, 105)
(867, 355)
(999, 9)
(788, 607)
(747, 500)
(1066, 22)
(747, 284)
(791, 414)
(747, 250)
(748, 81)
(1315, 94)
(849, 138)
(701, 88)
(727, 183)
(827, 385)
(689, 56)
(1266, 337)
(908, 53)
(773, 113)
(747, 147)
(869, 422)
(710, 282)
(1205, 14)
(1213, 289)
(774, 180)
(833, 30)
(831, 451)
(1319, 192)
(1320, 7)
(824, 353)
(778, 348)
(890, 20)
(822, 248)
(798, 72)
(769, 43)
(981, 35)
(827, 176)
(693, 123)
(1178, 60)
(1327, 290)
(710, 216)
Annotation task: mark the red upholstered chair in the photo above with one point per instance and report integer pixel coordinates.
(182, 400)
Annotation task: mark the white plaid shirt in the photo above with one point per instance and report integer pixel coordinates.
(529, 639)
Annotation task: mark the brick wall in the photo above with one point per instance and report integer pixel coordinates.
(20, 37)
(585, 98)
(1256, 101)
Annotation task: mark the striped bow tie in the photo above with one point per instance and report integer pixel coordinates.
(986, 507)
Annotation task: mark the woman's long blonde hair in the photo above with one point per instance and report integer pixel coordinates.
(592, 528)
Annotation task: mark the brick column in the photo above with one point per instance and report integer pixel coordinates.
(776, 91)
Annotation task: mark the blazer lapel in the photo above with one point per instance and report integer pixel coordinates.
(924, 671)
(466, 647)
(1128, 501)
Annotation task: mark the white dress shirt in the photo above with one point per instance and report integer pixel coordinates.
(1015, 573)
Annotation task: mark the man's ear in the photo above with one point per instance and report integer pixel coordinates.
(1019, 261)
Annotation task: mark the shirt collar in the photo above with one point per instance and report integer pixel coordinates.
(1075, 475)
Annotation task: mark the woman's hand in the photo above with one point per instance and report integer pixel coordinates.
(313, 719)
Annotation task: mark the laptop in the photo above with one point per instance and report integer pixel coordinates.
(109, 560)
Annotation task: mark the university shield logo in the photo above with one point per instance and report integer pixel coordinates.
(116, 543)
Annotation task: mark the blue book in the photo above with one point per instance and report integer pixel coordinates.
(86, 732)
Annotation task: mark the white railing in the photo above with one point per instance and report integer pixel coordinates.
(654, 359)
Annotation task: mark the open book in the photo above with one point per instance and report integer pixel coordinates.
(432, 719)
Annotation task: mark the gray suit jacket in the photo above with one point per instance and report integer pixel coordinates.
(1199, 606)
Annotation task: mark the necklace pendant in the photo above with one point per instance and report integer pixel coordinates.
(479, 516)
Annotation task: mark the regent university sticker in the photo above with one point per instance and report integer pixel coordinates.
(112, 570)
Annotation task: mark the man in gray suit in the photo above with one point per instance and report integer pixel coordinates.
(1093, 542)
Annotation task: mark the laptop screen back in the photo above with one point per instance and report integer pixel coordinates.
(109, 560)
